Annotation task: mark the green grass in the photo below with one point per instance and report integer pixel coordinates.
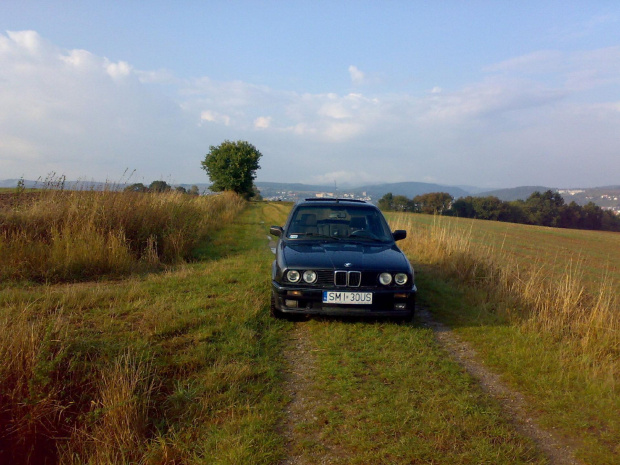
(568, 398)
(389, 394)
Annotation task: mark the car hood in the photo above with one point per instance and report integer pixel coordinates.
(336, 255)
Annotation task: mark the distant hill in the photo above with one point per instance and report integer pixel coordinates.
(410, 189)
(606, 196)
(288, 186)
(6, 183)
(514, 193)
(473, 190)
(375, 191)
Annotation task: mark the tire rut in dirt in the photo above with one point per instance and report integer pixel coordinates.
(299, 386)
(558, 450)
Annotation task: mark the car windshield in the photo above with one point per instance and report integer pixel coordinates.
(338, 222)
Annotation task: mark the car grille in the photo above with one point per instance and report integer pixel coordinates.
(325, 278)
(330, 278)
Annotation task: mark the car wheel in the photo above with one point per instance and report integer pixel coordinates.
(273, 310)
(407, 319)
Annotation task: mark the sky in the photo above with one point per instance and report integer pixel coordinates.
(489, 94)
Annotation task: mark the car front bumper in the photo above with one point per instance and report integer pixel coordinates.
(391, 302)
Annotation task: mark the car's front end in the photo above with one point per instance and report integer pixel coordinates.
(327, 298)
(339, 270)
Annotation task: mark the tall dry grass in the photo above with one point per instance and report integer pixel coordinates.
(43, 416)
(120, 429)
(49, 394)
(74, 235)
(34, 351)
(585, 318)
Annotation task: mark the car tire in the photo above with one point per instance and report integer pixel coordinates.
(273, 310)
(407, 319)
(411, 315)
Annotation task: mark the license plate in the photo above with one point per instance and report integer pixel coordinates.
(355, 298)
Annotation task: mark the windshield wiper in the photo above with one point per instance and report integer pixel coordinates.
(313, 235)
(367, 239)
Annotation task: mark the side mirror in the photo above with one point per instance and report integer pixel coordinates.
(276, 231)
(399, 234)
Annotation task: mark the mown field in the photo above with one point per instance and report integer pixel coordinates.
(181, 364)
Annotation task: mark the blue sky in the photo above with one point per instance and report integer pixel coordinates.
(484, 93)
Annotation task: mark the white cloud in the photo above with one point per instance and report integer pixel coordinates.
(335, 110)
(344, 177)
(65, 112)
(118, 70)
(215, 117)
(342, 131)
(573, 71)
(542, 61)
(594, 68)
(27, 40)
(301, 129)
(161, 76)
(262, 122)
(357, 76)
(488, 98)
(80, 59)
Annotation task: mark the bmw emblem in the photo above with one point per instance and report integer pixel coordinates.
(348, 265)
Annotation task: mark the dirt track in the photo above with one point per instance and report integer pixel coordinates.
(300, 361)
(558, 450)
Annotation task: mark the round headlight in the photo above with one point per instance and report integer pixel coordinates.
(401, 279)
(309, 276)
(385, 278)
(293, 276)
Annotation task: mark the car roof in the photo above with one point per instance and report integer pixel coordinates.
(332, 201)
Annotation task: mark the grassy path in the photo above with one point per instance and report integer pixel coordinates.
(386, 393)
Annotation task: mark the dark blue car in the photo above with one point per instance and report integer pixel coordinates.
(339, 257)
